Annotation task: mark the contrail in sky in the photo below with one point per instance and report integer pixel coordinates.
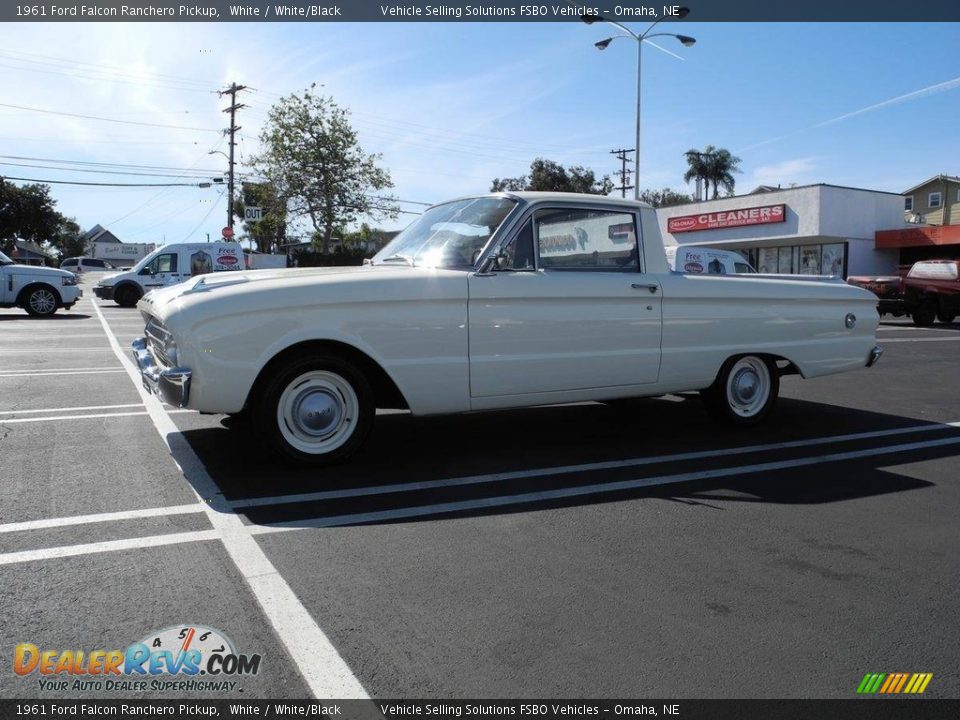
(924, 92)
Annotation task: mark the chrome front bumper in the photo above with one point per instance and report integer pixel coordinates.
(172, 386)
(874, 355)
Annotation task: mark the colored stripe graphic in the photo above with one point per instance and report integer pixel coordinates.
(894, 683)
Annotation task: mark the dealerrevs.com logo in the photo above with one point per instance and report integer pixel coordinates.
(176, 659)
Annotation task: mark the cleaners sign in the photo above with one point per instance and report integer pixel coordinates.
(728, 218)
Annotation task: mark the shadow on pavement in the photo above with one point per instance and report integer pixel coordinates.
(532, 459)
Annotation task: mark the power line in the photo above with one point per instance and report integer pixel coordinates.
(106, 164)
(97, 172)
(104, 119)
(97, 184)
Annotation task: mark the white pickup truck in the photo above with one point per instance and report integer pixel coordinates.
(38, 290)
(496, 301)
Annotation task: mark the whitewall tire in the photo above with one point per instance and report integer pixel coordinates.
(745, 390)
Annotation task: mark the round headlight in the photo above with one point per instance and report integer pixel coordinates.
(850, 321)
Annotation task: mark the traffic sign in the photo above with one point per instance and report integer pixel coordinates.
(252, 213)
(227, 232)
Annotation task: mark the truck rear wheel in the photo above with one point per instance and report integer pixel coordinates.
(946, 317)
(744, 392)
(316, 410)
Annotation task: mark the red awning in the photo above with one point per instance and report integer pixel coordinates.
(921, 236)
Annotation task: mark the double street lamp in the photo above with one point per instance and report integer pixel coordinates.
(685, 40)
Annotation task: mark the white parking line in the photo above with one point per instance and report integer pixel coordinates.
(586, 467)
(107, 546)
(59, 336)
(69, 520)
(593, 489)
(71, 409)
(19, 351)
(90, 416)
(50, 373)
(317, 660)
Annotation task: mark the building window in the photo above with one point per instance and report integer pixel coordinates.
(908, 204)
(934, 200)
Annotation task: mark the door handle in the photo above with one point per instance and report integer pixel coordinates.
(640, 286)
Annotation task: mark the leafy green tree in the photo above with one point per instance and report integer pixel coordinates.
(27, 212)
(68, 239)
(548, 175)
(664, 198)
(313, 161)
(714, 166)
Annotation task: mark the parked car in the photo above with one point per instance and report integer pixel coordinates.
(495, 301)
(80, 265)
(931, 291)
(169, 265)
(38, 290)
(698, 260)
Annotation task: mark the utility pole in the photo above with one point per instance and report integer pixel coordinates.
(231, 131)
(623, 174)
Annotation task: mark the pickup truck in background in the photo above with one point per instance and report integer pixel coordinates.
(926, 291)
(887, 288)
(931, 291)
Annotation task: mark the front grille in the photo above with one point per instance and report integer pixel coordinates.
(157, 338)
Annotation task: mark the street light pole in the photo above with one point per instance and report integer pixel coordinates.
(686, 40)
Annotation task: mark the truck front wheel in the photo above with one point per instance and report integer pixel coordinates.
(41, 302)
(925, 313)
(744, 392)
(316, 410)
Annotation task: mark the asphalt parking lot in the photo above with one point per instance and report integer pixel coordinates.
(575, 551)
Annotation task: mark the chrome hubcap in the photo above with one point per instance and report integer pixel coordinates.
(317, 412)
(748, 386)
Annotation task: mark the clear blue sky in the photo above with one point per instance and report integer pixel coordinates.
(451, 106)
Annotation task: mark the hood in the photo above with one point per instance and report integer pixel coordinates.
(259, 289)
(38, 270)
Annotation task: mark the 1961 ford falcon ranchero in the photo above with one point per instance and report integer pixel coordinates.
(487, 302)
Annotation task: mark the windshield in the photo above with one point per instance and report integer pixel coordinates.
(451, 235)
(143, 262)
(4, 260)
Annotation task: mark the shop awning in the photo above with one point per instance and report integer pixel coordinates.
(921, 236)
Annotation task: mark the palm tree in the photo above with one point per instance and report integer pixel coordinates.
(697, 163)
(712, 165)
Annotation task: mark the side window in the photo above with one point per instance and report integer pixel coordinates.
(518, 254)
(96, 263)
(166, 263)
(573, 239)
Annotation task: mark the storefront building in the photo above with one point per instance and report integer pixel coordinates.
(809, 230)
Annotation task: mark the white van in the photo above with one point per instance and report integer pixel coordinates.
(169, 265)
(706, 261)
(81, 265)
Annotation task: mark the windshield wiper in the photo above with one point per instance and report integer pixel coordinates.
(402, 258)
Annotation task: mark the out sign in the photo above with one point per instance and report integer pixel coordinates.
(252, 213)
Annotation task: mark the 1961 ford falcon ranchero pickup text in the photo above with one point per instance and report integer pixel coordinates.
(487, 302)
